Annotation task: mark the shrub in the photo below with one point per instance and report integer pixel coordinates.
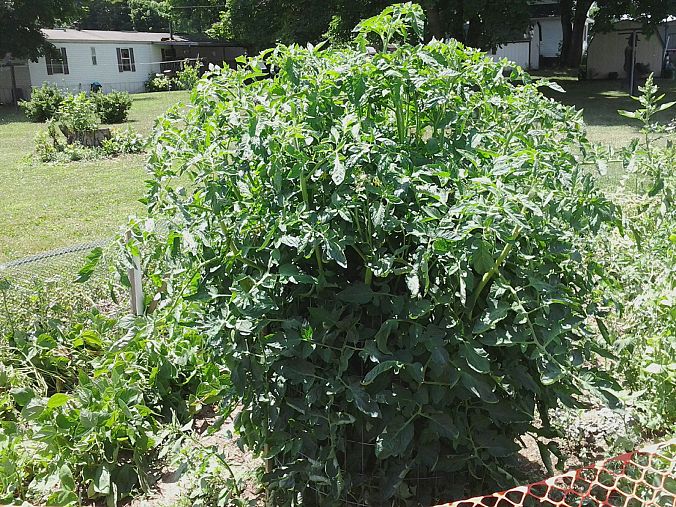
(187, 78)
(43, 104)
(390, 253)
(158, 83)
(112, 107)
(77, 114)
(124, 142)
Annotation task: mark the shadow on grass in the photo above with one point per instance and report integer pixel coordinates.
(10, 114)
(602, 99)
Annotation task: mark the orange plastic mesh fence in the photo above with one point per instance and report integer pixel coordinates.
(639, 478)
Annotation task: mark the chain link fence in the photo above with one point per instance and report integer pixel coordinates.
(37, 283)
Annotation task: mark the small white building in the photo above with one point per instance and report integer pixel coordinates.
(116, 60)
(543, 45)
(607, 51)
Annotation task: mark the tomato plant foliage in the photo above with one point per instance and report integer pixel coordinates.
(389, 252)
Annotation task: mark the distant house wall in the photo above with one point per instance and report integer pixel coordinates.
(23, 82)
(606, 52)
(82, 71)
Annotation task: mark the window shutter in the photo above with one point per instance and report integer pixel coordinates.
(64, 59)
(131, 59)
(119, 60)
(48, 61)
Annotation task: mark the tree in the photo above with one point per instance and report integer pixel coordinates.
(139, 15)
(479, 23)
(149, 15)
(573, 21)
(105, 15)
(648, 12)
(22, 21)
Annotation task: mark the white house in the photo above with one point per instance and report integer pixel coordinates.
(115, 60)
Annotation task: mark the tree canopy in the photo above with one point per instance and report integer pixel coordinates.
(480, 23)
(21, 22)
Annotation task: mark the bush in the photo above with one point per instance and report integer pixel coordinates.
(43, 104)
(124, 142)
(187, 78)
(390, 253)
(77, 114)
(158, 83)
(112, 107)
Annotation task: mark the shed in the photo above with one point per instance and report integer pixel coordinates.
(606, 52)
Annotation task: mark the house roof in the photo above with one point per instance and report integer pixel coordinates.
(72, 35)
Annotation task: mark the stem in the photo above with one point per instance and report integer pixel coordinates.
(494, 269)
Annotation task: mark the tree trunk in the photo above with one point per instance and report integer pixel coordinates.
(566, 28)
(474, 32)
(457, 16)
(434, 28)
(574, 54)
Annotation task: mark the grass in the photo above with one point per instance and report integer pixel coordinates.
(49, 206)
(46, 206)
(601, 100)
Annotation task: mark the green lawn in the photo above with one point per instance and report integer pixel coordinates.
(601, 100)
(46, 206)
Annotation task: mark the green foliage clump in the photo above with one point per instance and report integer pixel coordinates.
(642, 265)
(124, 142)
(86, 399)
(158, 83)
(77, 114)
(112, 107)
(43, 104)
(389, 252)
(187, 78)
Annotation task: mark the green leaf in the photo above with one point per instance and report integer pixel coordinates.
(338, 174)
(476, 357)
(91, 262)
(394, 440)
(482, 259)
(363, 401)
(629, 114)
(384, 333)
(490, 318)
(443, 425)
(357, 293)
(478, 387)
(380, 368)
(57, 400)
(22, 395)
(101, 480)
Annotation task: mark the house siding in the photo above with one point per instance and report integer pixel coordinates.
(82, 72)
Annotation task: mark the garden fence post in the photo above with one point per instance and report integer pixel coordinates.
(134, 274)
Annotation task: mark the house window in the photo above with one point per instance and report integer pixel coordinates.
(93, 56)
(125, 60)
(57, 61)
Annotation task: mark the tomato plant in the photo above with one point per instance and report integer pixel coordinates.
(390, 252)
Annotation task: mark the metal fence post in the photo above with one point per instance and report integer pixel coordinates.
(134, 274)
